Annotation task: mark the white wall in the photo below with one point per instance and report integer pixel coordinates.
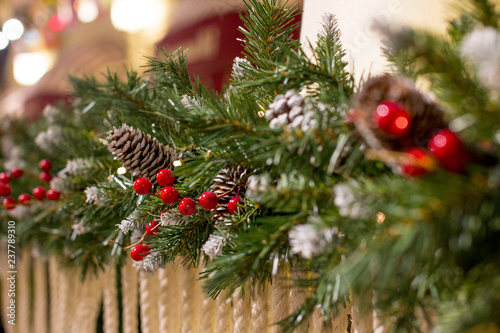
(355, 20)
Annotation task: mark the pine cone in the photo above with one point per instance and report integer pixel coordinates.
(289, 109)
(141, 154)
(427, 117)
(226, 184)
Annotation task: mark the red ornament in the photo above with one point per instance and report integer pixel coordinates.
(208, 200)
(24, 199)
(45, 177)
(152, 228)
(142, 185)
(9, 203)
(53, 195)
(5, 177)
(415, 156)
(165, 177)
(5, 190)
(45, 165)
(391, 118)
(16, 172)
(232, 205)
(139, 252)
(449, 151)
(169, 195)
(39, 193)
(187, 207)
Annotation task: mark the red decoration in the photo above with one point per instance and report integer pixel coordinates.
(449, 150)
(415, 156)
(232, 205)
(5, 190)
(169, 195)
(391, 118)
(24, 199)
(45, 165)
(45, 177)
(9, 203)
(16, 172)
(142, 185)
(152, 228)
(39, 193)
(165, 177)
(208, 200)
(56, 23)
(5, 177)
(187, 207)
(139, 252)
(53, 195)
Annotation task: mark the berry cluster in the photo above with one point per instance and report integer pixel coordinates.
(170, 195)
(445, 146)
(25, 199)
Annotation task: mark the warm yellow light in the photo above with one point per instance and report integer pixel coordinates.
(87, 10)
(380, 217)
(135, 15)
(121, 171)
(30, 67)
(13, 29)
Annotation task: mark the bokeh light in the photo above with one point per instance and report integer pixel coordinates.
(13, 29)
(133, 15)
(87, 10)
(32, 37)
(29, 67)
(4, 41)
(56, 23)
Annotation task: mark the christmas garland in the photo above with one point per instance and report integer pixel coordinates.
(373, 189)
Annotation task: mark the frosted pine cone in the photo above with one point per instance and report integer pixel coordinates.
(141, 154)
(290, 110)
(427, 117)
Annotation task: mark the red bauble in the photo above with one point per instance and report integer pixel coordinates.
(45, 165)
(5, 190)
(208, 200)
(152, 228)
(187, 207)
(9, 203)
(232, 205)
(169, 195)
(5, 177)
(164, 177)
(39, 193)
(415, 156)
(139, 252)
(142, 185)
(53, 195)
(391, 118)
(449, 151)
(45, 177)
(24, 199)
(16, 172)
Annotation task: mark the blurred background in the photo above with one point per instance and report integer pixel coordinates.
(44, 41)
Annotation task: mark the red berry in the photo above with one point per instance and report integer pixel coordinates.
(208, 200)
(16, 172)
(53, 195)
(391, 118)
(232, 205)
(449, 151)
(5, 177)
(24, 199)
(414, 157)
(139, 252)
(45, 165)
(169, 195)
(45, 177)
(165, 177)
(5, 190)
(9, 203)
(39, 193)
(142, 185)
(187, 207)
(152, 228)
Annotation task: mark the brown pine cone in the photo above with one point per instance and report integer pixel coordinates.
(226, 186)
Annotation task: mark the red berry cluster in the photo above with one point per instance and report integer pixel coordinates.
(25, 199)
(444, 145)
